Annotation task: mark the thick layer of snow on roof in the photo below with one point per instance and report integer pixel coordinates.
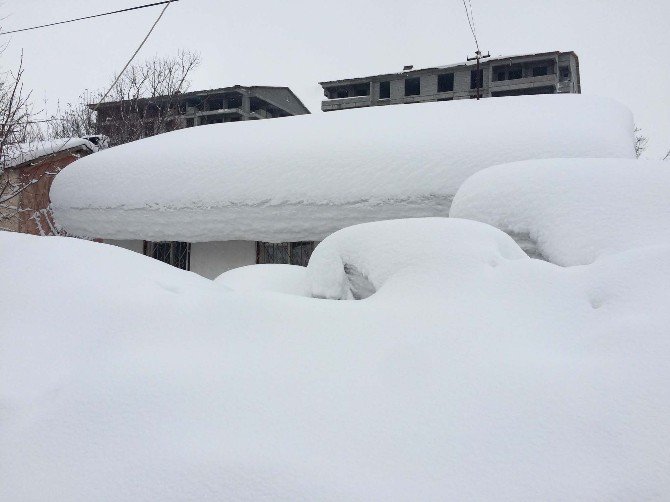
(25, 152)
(471, 374)
(302, 178)
(571, 211)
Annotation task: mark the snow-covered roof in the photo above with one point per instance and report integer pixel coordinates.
(27, 152)
(572, 211)
(302, 178)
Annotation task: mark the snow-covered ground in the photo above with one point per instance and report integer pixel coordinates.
(304, 177)
(470, 372)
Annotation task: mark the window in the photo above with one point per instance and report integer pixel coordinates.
(445, 82)
(342, 93)
(385, 90)
(501, 76)
(412, 86)
(564, 73)
(476, 79)
(514, 73)
(539, 71)
(291, 253)
(362, 90)
(177, 254)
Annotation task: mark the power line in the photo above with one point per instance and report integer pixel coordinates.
(471, 22)
(167, 4)
(137, 7)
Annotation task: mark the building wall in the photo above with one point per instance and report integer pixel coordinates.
(211, 259)
(137, 246)
(29, 212)
(462, 83)
(9, 217)
(208, 259)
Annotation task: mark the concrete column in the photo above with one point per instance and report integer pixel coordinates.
(246, 106)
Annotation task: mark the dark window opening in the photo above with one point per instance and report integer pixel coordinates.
(564, 73)
(514, 73)
(476, 79)
(412, 86)
(539, 71)
(384, 90)
(216, 103)
(177, 254)
(232, 100)
(362, 90)
(291, 253)
(501, 76)
(445, 82)
(342, 93)
(190, 122)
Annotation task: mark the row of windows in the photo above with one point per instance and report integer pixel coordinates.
(178, 254)
(445, 81)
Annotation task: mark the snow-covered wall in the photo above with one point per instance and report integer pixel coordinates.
(302, 178)
(211, 259)
(208, 259)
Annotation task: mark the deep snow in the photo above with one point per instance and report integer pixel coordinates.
(472, 373)
(302, 178)
(571, 211)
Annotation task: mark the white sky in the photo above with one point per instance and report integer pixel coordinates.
(622, 44)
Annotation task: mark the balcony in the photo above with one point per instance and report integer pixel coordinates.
(527, 82)
(344, 103)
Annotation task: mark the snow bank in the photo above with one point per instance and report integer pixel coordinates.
(274, 278)
(474, 379)
(571, 211)
(356, 261)
(302, 178)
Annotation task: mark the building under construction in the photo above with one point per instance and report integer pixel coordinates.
(543, 73)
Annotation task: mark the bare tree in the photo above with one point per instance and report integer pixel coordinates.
(143, 101)
(640, 142)
(17, 131)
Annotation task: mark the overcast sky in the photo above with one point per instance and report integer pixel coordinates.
(623, 45)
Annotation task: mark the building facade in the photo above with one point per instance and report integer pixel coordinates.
(544, 73)
(124, 121)
(30, 176)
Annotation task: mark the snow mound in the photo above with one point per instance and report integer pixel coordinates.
(274, 278)
(304, 177)
(513, 379)
(357, 261)
(572, 211)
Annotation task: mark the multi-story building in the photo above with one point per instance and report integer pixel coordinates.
(544, 73)
(128, 120)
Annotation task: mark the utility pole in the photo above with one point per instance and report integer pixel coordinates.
(478, 57)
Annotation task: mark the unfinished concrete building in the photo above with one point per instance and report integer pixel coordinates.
(166, 113)
(543, 73)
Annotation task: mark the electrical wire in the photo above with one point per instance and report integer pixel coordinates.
(146, 37)
(154, 4)
(471, 22)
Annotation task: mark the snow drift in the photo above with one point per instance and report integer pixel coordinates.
(473, 373)
(356, 261)
(571, 211)
(302, 178)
